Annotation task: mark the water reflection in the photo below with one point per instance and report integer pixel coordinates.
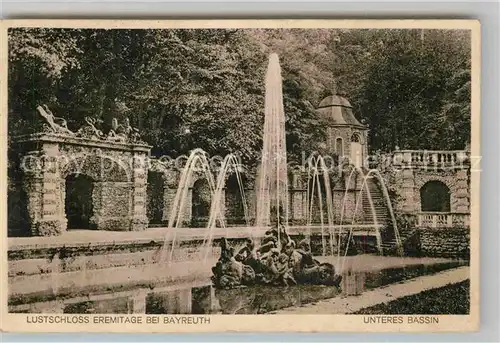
(264, 299)
(353, 283)
(173, 302)
(257, 299)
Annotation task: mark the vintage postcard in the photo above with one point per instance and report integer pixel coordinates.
(240, 175)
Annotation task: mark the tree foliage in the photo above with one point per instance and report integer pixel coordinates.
(416, 94)
(204, 88)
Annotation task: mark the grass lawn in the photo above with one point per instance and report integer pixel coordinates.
(450, 299)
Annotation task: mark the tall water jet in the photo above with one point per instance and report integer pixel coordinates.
(272, 177)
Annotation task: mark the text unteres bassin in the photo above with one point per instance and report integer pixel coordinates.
(400, 320)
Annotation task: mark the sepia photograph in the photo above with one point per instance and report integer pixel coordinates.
(194, 174)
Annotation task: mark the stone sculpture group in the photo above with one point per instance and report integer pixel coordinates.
(120, 133)
(277, 262)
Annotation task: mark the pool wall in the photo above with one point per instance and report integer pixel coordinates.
(437, 242)
(39, 272)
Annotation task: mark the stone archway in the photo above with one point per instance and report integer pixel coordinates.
(435, 197)
(79, 207)
(118, 172)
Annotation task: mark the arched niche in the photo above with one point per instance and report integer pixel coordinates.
(155, 197)
(201, 201)
(234, 202)
(79, 201)
(435, 197)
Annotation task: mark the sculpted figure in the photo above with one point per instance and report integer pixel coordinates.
(135, 137)
(123, 132)
(90, 130)
(228, 272)
(273, 264)
(55, 124)
(285, 273)
(130, 132)
(309, 270)
(114, 134)
(125, 129)
(271, 274)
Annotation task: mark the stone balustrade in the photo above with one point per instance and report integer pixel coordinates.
(443, 219)
(430, 158)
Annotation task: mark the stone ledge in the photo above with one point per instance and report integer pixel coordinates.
(64, 284)
(54, 138)
(90, 238)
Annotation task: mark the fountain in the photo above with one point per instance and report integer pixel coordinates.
(364, 188)
(272, 178)
(267, 261)
(268, 249)
(222, 268)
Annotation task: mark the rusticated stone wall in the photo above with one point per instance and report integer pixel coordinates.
(456, 180)
(446, 242)
(453, 242)
(231, 201)
(407, 184)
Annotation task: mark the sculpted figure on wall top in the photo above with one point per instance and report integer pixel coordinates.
(120, 133)
(54, 124)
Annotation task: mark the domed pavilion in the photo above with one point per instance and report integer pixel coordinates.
(346, 136)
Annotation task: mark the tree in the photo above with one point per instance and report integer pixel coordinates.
(202, 90)
(38, 59)
(407, 94)
(304, 130)
(306, 53)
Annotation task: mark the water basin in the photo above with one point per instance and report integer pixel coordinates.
(205, 299)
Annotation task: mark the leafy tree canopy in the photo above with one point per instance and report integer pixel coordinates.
(205, 88)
